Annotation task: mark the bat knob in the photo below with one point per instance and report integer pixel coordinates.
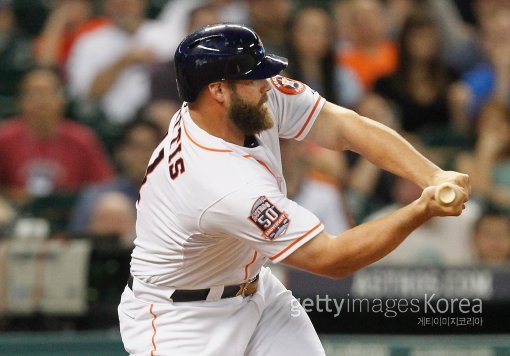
(446, 194)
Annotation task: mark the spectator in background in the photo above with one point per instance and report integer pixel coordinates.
(41, 152)
(137, 142)
(110, 65)
(489, 164)
(491, 78)
(366, 48)
(314, 178)
(175, 14)
(491, 238)
(439, 242)
(15, 58)
(480, 8)
(460, 49)
(66, 22)
(113, 214)
(7, 216)
(419, 88)
(269, 18)
(459, 46)
(311, 45)
(367, 185)
(164, 99)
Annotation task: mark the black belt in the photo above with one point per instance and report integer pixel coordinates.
(194, 295)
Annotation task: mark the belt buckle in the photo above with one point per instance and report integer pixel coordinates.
(242, 290)
(249, 288)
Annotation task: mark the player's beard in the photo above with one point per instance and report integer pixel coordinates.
(249, 118)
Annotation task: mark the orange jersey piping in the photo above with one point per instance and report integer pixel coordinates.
(309, 117)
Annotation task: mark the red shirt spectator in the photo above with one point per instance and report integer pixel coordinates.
(70, 159)
(41, 152)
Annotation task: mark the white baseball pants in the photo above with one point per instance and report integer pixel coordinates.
(270, 322)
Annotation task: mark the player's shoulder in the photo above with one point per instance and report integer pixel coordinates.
(218, 175)
(223, 173)
(287, 86)
(212, 166)
(287, 91)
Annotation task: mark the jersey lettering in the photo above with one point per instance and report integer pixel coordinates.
(178, 137)
(176, 167)
(177, 150)
(151, 169)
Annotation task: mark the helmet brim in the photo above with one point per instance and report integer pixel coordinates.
(268, 67)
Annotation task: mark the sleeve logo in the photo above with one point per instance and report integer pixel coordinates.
(268, 218)
(287, 86)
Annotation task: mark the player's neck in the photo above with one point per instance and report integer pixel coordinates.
(217, 123)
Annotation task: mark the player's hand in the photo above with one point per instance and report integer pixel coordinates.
(461, 180)
(431, 201)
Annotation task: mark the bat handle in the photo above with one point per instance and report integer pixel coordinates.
(446, 194)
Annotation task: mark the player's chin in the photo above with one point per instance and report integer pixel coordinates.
(266, 124)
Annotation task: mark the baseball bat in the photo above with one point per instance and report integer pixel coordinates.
(446, 194)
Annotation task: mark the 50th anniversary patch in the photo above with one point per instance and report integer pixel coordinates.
(268, 218)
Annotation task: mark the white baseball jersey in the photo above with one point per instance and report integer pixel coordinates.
(211, 212)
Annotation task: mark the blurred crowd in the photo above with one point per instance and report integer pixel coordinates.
(87, 89)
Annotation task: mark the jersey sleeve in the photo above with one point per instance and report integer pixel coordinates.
(265, 219)
(295, 106)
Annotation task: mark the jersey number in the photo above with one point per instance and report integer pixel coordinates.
(174, 167)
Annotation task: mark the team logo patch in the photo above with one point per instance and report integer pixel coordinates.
(287, 86)
(268, 218)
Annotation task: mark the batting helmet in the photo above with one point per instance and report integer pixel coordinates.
(222, 52)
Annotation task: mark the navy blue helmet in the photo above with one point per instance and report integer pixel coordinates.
(222, 52)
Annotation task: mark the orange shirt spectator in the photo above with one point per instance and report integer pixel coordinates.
(370, 66)
(67, 21)
(67, 40)
(365, 46)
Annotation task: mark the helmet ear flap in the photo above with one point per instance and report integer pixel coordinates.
(180, 90)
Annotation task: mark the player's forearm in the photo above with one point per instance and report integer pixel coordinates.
(387, 149)
(369, 242)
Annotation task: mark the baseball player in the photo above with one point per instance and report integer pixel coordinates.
(213, 210)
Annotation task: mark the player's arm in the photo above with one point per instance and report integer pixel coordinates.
(339, 256)
(338, 128)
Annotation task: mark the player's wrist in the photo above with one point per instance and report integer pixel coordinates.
(421, 208)
(436, 177)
